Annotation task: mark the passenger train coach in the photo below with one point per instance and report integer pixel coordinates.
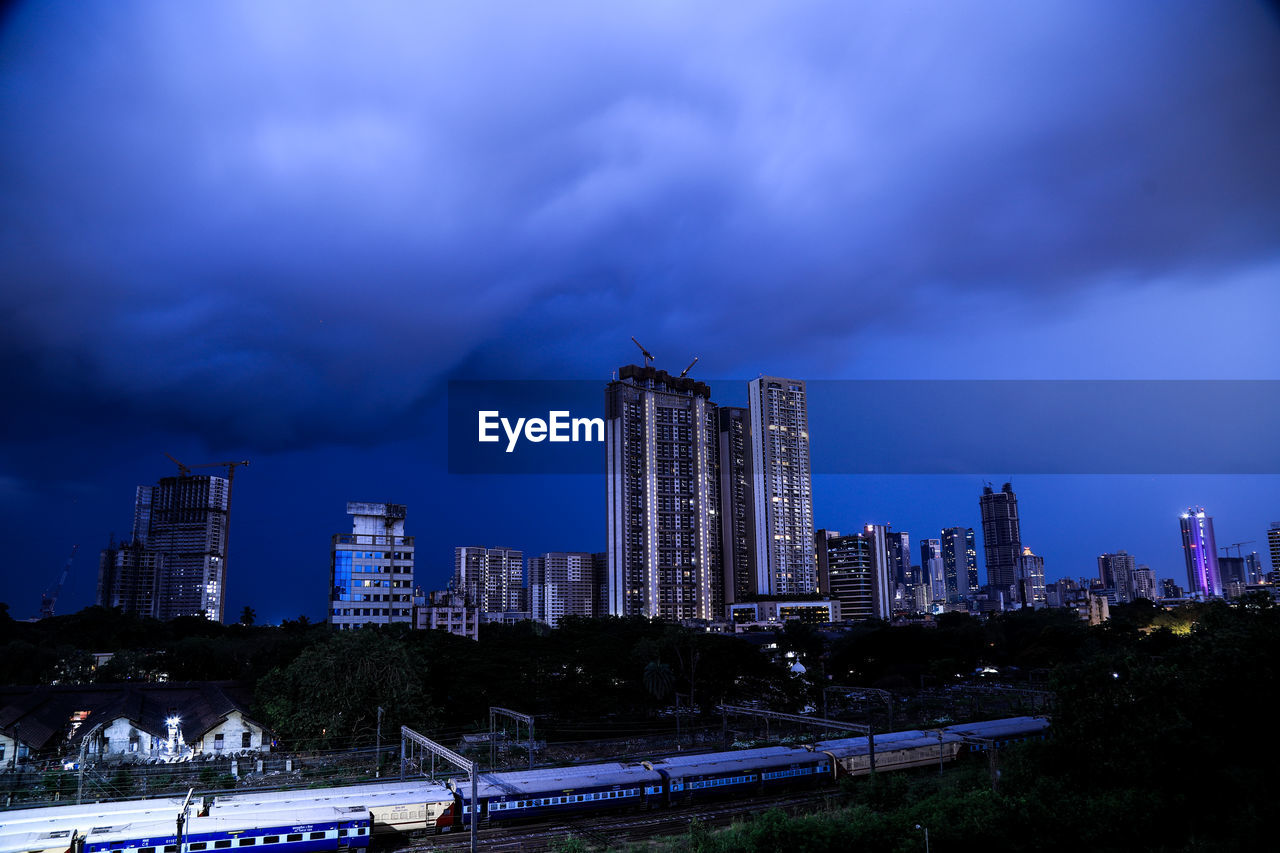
(343, 818)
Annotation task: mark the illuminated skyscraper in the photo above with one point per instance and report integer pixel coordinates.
(662, 444)
(959, 562)
(1273, 544)
(782, 487)
(1116, 572)
(1001, 535)
(737, 501)
(1201, 554)
(491, 578)
(856, 578)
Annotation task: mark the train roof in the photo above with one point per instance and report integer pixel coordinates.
(726, 762)
(375, 794)
(843, 747)
(1008, 727)
(44, 815)
(544, 779)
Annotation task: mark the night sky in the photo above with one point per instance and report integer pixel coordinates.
(241, 230)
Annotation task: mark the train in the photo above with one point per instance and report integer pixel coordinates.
(345, 819)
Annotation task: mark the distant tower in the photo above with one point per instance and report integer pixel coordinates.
(959, 562)
(1116, 572)
(371, 568)
(1201, 553)
(560, 585)
(1001, 535)
(931, 569)
(783, 488)
(662, 444)
(1029, 591)
(737, 498)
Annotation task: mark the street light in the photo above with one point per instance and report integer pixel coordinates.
(926, 837)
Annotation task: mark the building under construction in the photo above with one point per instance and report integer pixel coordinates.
(175, 564)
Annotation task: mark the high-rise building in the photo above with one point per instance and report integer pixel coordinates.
(882, 564)
(932, 574)
(1001, 535)
(959, 562)
(1144, 583)
(899, 549)
(1232, 570)
(560, 585)
(1115, 570)
(856, 578)
(737, 504)
(662, 440)
(371, 568)
(175, 564)
(1201, 553)
(1169, 589)
(1029, 590)
(492, 579)
(1253, 568)
(782, 486)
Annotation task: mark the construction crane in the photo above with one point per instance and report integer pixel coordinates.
(50, 599)
(1225, 548)
(685, 372)
(648, 357)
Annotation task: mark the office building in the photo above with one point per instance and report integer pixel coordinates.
(448, 611)
(491, 579)
(783, 492)
(959, 562)
(662, 446)
(1001, 535)
(1029, 589)
(1253, 568)
(371, 568)
(560, 585)
(737, 515)
(1201, 554)
(175, 564)
(857, 579)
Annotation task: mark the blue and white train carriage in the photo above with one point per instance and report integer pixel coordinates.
(552, 791)
(688, 778)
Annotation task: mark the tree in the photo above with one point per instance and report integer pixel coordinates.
(658, 678)
(248, 616)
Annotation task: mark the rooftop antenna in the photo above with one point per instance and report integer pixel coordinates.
(685, 372)
(648, 356)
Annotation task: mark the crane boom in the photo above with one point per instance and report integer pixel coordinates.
(648, 356)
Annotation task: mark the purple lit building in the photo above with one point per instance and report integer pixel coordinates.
(1201, 553)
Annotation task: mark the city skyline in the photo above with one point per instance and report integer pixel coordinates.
(260, 233)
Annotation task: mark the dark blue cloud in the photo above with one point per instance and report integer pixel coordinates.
(274, 228)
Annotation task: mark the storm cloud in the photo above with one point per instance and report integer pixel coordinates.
(218, 215)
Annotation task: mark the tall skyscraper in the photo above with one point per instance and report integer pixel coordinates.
(932, 571)
(1001, 535)
(1253, 568)
(899, 549)
(782, 487)
(737, 499)
(1029, 589)
(560, 585)
(1145, 584)
(371, 568)
(856, 578)
(1201, 554)
(959, 562)
(662, 440)
(1116, 572)
(492, 579)
(175, 564)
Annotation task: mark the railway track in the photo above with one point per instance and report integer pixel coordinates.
(601, 831)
